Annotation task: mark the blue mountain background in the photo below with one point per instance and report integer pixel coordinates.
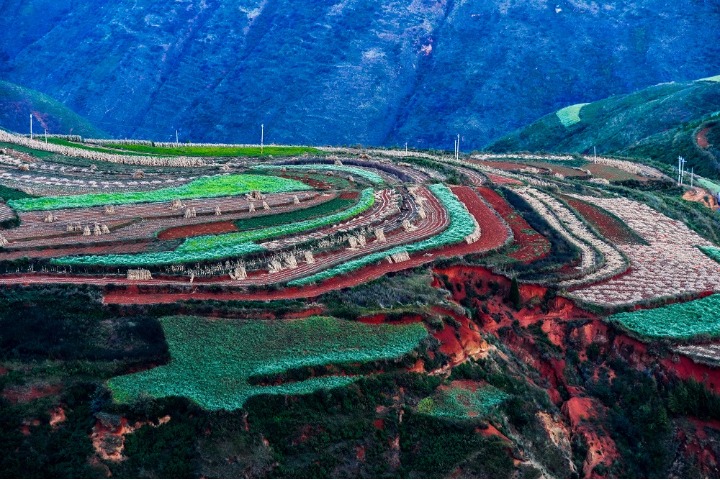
(381, 72)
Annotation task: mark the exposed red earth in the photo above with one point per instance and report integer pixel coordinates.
(533, 246)
(28, 393)
(701, 195)
(565, 324)
(612, 174)
(701, 138)
(607, 225)
(500, 180)
(108, 435)
(212, 228)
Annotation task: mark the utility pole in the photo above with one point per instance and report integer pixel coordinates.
(594, 154)
(457, 150)
(692, 176)
(262, 136)
(176, 138)
(46, 136)
(406, 149)
(681, 171)
(31, 133)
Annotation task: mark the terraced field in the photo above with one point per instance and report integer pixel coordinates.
(298, 226)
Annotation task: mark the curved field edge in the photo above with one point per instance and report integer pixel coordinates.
(461, 225)
(372, 177)
(570, 115)
(206, 187)
(679, 321)
(220, 247)
(212, 360)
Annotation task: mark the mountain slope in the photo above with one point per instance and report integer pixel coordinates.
(346, 72)
(659, 122)
(17, 103)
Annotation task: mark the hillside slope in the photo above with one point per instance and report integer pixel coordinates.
(346, 72)
(659, 122)
(17, 103)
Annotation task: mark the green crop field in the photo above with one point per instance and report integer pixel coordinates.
(326, 208)
(219, 247)
(205, 187)
(462, 403)
(680, 321)
(84, 146)
(212, 360)
(217, 151)
(372, 177)
(569, 116)
(461, 225)
(152, 259)
(367, 200)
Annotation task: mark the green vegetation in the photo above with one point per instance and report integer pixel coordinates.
(462, 403)
(657, 123)
(461, 225)
(7, 193)
(203, 243)
(372, 177)
(207, 248)
(212, 360)
(217, 151)
(712, 252)
(285, 218)
(713, 187)
(570, 115)
(151, 259)
(87, 146)
(205, 187)
(17, 102)
(680, 321)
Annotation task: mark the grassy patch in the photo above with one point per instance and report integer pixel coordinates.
(462, 403)
(716, 78)
(569, 116)
(218, 151)
(212, 360)
(206, 187)
(681, 321)
(713, 187)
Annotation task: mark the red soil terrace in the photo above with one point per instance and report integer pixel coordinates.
(608, 226)
(494, 235)
(533, 246)
(212, 228)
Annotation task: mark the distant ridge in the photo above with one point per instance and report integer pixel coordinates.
(17, 103)
(660, 123)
